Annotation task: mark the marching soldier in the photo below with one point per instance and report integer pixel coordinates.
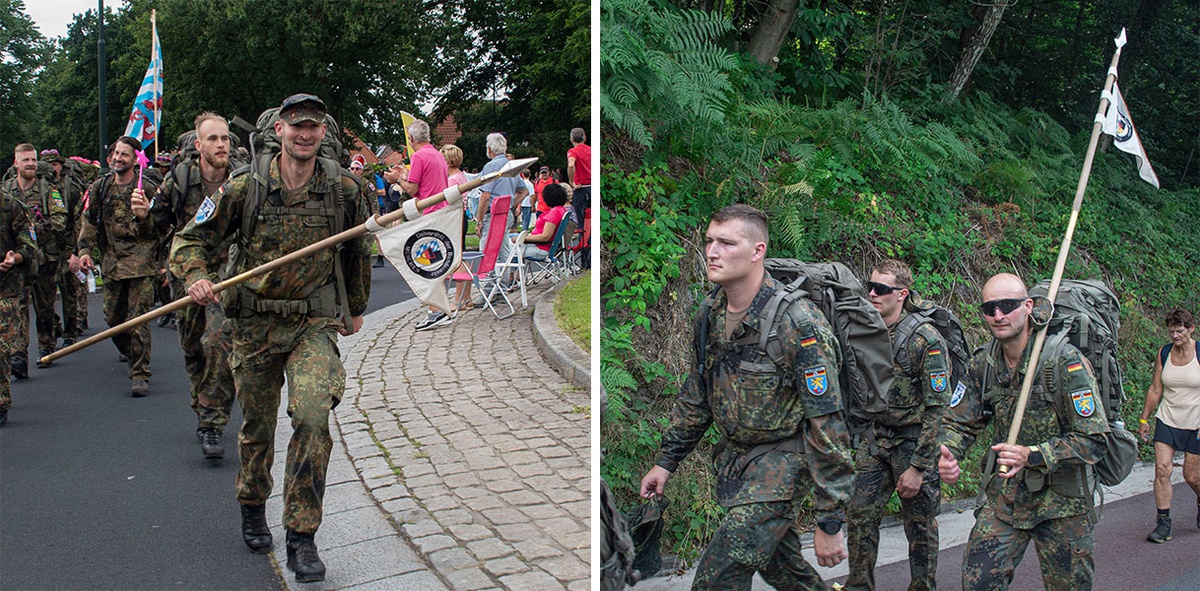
(18, 245)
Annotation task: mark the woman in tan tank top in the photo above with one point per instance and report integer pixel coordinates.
(1175, 392)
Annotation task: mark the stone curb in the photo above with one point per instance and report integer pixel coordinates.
(563, 353)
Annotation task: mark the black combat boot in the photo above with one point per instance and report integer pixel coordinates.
(20, 366)
(302, 558)
(210, 443)
(43, 353)
(255, 532)
(1162, 533)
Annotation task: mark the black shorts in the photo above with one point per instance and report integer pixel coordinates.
(1185, 440)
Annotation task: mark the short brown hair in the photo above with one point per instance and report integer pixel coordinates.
(754, 218)
(1179, 317)
(25, 147)
(127, 140)
(206, 116)
(897, 269)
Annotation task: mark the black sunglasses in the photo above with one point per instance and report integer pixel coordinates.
(880, 288)
(1006, 305)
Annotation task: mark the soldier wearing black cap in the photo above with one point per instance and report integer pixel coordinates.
(286, 321)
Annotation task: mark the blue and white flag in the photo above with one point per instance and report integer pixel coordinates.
(147, 106)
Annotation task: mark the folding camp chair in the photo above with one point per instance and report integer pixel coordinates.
(554, 265)
(581, 245)
(486, 260)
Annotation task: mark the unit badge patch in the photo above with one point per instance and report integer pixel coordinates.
(937, 381)
(1085, 402)
(816, 380)
(205, 211)
(957, 396)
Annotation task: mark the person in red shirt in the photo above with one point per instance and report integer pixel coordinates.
(579, 170)
(541, 182)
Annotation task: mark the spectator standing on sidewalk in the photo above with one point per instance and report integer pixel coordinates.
(579, 169)
(1175, 393)
(539, 184)
(496, 147)
(428, 175)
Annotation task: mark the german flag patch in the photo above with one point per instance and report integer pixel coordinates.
(1074, 367)
(934, 351)
(810, 341)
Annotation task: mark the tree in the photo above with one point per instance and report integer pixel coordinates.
(21, 50)
(771, 31)
(974, 48)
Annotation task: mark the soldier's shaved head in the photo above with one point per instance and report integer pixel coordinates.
(1004, 285)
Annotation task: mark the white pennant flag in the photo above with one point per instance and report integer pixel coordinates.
(426, 249)
(1119, 124)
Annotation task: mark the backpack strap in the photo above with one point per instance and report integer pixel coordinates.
(904, 332)
(701, 339)
(181, 172)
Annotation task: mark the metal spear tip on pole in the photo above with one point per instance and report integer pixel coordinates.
(514, 167)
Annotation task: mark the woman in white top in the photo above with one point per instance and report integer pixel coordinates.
(1175, 392)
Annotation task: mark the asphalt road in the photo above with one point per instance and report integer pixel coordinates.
(99, 490)
(1124, 559)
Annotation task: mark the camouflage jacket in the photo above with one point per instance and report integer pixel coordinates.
(17, 235)
(277, 234)
(180, 214)
(1067, 425)
(72, 188)
(756, 403)
(917, 401)
(128, 246)
(47, 212)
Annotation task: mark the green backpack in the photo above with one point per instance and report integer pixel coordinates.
(1088, 316)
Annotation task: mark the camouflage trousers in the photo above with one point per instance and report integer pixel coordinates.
(756, 537)
(43, 290)
(206, 341)
(72, 291)
(10, 309)
(125, 299)
(19, 345)
(875, 479)
(310, 361)
(995, 548)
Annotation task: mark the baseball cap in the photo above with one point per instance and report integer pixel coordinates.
(358, 159)
(544, 169)
(302, 107)
(50, 155)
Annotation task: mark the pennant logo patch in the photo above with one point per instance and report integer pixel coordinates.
(32, 233)
(205, 211)
(1085, 402)
(816, 380)
(957, 396)
(937, 381)
(58, 200)
(428, 253)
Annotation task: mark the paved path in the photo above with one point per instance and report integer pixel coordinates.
(468, 461)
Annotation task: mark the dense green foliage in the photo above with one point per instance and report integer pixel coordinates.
(856, 170)
(368, 59)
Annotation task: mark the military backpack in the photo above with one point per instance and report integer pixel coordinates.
(867, 365)
(1087, 315)
(920, 312)
(181, 166)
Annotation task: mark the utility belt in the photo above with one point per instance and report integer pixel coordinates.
(794, 444)
(911, 432)
(1067, 481)
(243, 303)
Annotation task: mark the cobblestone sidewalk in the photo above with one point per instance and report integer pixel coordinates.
(476, 448)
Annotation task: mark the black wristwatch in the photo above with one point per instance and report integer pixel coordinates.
(1035, 457)
(830, 525)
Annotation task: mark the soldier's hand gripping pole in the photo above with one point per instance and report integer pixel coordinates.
(512, 169)
(1065, 248)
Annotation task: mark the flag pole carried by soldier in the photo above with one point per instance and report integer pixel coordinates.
(374, 225)
(1049, 471)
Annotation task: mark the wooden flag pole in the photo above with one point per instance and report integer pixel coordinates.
(511, 169)
(1039, 339)
(154, 50)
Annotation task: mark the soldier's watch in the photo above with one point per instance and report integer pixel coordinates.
(1035, 457)
(830, 525)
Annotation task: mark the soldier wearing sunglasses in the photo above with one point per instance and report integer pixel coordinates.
(904, 456)
(1044, 496)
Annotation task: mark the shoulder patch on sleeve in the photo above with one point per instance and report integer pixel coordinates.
(1084, 401)
(816, 380)
(206, 209)
(957, 396)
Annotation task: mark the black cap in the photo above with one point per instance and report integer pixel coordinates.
(302, 107)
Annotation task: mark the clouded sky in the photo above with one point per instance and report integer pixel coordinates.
(53, 16)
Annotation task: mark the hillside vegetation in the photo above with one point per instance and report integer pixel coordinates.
(958, 189)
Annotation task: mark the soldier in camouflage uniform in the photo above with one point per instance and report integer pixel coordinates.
(71, 289)
(904, 457)
(118, 222)
(19, 247)
(49, 215)
(204, 333)
(1045, 495)
(286, 322)
(783, 434)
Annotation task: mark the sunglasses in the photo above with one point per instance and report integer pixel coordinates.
(880, 288)
(1006, 306)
